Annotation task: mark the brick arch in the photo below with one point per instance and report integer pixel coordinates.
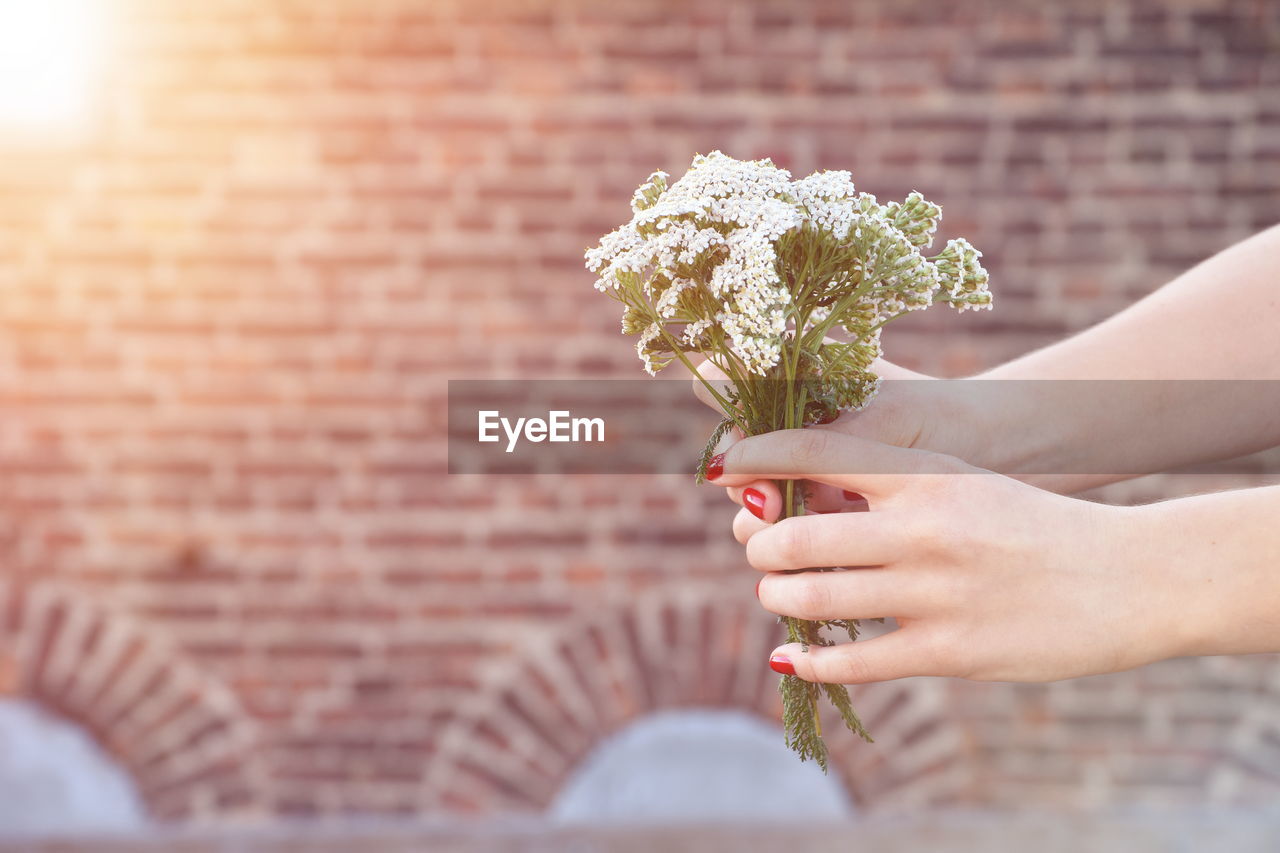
(181, 734)
(542, 713)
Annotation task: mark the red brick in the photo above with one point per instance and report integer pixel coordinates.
(230, 309)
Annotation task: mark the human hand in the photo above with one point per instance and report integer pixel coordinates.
(987, 577)
(923, 414)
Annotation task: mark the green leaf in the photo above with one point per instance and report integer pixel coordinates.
(839, 696)
(800, 719)
(709, 449)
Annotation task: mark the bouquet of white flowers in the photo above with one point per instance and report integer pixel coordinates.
(753, 270)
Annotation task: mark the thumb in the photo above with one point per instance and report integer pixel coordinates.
(888, 370)
(709, 373)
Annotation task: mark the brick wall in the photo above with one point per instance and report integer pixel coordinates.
(229, 305)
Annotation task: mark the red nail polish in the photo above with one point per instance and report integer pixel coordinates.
(754, 500)
(852, 496)
(782, 664)
(715, 466)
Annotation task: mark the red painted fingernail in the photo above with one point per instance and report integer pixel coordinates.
(758, 587)
(754, 499)
(715, 466)
(782, 664)
(852, 496)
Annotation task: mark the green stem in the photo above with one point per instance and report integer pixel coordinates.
(730, 410)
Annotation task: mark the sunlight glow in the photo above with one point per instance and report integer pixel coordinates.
(49, 52)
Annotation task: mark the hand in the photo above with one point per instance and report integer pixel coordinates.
(926, 414)
(988, 578)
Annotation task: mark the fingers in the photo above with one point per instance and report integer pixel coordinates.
(823, 541)
(761, 498)
(708, 371)
(888, 370)
(824, 498)
(898, 654)
(767, 499)
(746, 525)
(851, 594)
(828, 456)
(714, 375)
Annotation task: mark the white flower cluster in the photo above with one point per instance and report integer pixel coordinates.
(723, 217)
(962, 276)
(718, 251)
(829, 200)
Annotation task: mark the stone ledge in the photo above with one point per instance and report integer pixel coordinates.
(1135, 832)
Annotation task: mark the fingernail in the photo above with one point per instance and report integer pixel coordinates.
(782, 664)
(754, 499)
(715, 466)
(758, 587)
(852, 496)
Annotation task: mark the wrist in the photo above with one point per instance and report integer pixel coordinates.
(1177, 614)
(1005, 427)
(1040, 432)
(1214, 558)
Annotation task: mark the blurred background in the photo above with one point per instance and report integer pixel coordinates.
(245, 243)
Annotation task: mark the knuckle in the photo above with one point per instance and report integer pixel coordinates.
(952, 542)
(938, 485)
(810, 445)
(810, 597)
(936, 476)
(740, 455)
(943, 651)
(850, 667)
(948, 466)
(949, 592)
(967, 547)
(927, 535)
(791, 543)
(883, 420)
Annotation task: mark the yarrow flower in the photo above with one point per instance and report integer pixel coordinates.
(743, 265)
(738, 253)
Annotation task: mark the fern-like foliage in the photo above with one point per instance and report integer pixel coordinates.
(721, 430)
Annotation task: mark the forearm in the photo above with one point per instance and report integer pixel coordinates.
(1216, 559)
(1218, 320)
(1066, 436)
(1219, 323)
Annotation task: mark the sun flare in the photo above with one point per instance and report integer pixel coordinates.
(49, 52)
